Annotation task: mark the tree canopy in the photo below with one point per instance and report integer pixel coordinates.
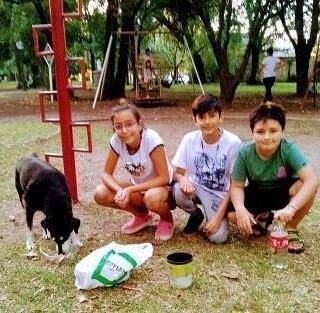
(224, 37)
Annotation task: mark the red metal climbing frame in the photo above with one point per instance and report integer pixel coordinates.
(61, 61)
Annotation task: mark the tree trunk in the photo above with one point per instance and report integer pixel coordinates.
(200, 68)
(111, 25)
(289, 62)
(228, 86)
(228, 82)
(133, 57)
(127, 25)
(43, 19)
(37, 79)
(92, 60)
(303, 46)
(22, 84)
(255, 51)
(302, 69)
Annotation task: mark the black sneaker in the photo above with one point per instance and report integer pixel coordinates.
(194, 222)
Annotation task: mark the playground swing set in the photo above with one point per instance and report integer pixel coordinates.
(147, 81)
(145, 91)
(148, 73)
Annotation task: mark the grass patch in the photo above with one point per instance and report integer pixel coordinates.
(243, 89)
(18, 139)
(33, 286)
(7, 85)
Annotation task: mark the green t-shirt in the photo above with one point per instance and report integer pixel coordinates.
(268, 174)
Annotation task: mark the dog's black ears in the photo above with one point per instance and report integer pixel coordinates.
(76, 224)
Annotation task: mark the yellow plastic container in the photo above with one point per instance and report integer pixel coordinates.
(180, 266)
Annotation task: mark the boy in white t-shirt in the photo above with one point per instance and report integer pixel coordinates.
(203, 164)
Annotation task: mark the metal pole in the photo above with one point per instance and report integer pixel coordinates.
(59, 48)
(50, 81)
(194, 66)
(104, 68)
(104, 72)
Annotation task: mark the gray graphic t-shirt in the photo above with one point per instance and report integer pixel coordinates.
(208, 165)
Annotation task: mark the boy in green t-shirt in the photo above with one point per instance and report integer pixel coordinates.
(271, 173)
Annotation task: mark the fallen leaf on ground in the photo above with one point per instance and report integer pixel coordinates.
(213, 274)
(82, 298)
(231, 271)
(131, 288)
(40, 290)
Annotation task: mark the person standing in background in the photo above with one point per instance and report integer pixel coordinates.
(268, 68)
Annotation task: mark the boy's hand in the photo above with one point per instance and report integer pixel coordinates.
(186, 186)
(244, 221)
(212, 226)
(285, 215)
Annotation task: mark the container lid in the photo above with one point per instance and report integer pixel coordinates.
(179, 258)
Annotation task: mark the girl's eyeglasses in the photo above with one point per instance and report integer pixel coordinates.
(127, 125)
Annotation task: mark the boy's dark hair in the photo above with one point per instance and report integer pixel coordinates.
(268, 111)
(147, 51)
(123, 106)
(270, 51)
(206, 103)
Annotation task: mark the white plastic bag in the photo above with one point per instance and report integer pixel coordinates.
(110, 265)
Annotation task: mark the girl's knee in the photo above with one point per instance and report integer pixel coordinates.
(152, 198)
(97, 194)
(102, 195)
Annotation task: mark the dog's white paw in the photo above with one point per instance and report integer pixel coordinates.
(30, 244)
(32, 255)
(77, 243)
(75, 240)
(46, 234)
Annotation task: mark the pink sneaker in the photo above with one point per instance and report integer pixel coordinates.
(137, 223)
(164, 230)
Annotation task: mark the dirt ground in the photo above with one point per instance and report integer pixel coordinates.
(172, 119)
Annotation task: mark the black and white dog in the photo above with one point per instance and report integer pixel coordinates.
(42, 187)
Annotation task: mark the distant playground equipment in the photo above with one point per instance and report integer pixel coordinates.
(146, 90)
(148, 79)
(313, 80)
(63, 88)
(143, 88)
